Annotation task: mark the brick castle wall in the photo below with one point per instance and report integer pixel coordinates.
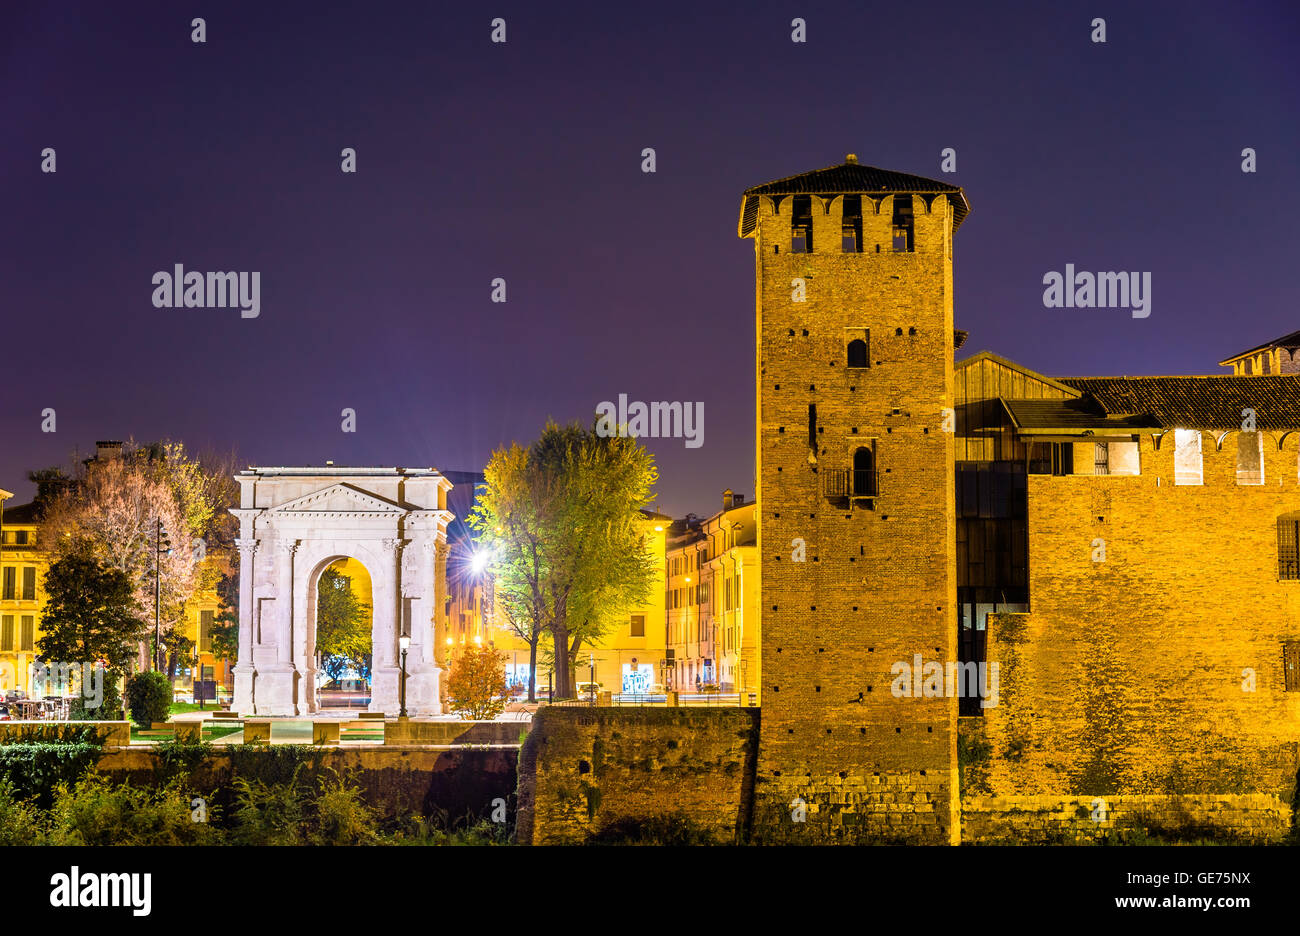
(1158, 670)
(605, 774)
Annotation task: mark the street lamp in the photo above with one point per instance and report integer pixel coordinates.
(405, 643)
(197, 677)
(157, 591)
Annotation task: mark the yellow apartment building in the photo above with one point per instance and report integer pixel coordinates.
(22, 596)
(711, 602)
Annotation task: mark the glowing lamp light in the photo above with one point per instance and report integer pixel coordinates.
(450, 641)
(404, 642)
(688, 579)
(479, 561)
(478, 639)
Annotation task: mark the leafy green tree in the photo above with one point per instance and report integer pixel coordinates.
(342, 626)
(564, 526)
(90, 613)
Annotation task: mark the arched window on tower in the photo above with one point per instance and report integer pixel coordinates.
(864, 473)
(857, 353)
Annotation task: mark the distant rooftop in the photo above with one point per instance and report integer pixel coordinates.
(1291, 342)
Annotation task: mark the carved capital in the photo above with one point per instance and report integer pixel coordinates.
(247, 547)
(286, 546)
(393, 544)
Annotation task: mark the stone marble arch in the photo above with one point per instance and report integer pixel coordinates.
(294, 523)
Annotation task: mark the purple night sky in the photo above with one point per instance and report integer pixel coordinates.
(522, 160)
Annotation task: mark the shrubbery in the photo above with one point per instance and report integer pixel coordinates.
(148, 697)
(33, 771)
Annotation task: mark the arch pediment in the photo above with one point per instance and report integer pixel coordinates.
(340, 498)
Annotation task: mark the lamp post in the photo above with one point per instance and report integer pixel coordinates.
(197, 679)
(405, 643)
(157, 591)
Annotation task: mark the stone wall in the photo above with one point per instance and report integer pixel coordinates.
(1058, 820)
(1158, 670)
(612, 774)
(449, 782)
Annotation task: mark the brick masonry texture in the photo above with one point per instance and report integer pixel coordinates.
(1060, 820)
(878, 585)
(1133, 675)
(597, 774)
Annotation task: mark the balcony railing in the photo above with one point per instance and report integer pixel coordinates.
(849, 483)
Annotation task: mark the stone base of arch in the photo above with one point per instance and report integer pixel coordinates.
(277, 689)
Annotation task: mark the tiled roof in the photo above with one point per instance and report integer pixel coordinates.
(1290, 342)
(1078, 413)
(1199, 402)
(852, 177)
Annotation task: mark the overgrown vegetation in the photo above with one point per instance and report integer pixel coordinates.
(309, 806)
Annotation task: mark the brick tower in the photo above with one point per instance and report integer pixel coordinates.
(854, 467)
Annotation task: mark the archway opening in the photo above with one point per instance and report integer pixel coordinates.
(343, 642)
